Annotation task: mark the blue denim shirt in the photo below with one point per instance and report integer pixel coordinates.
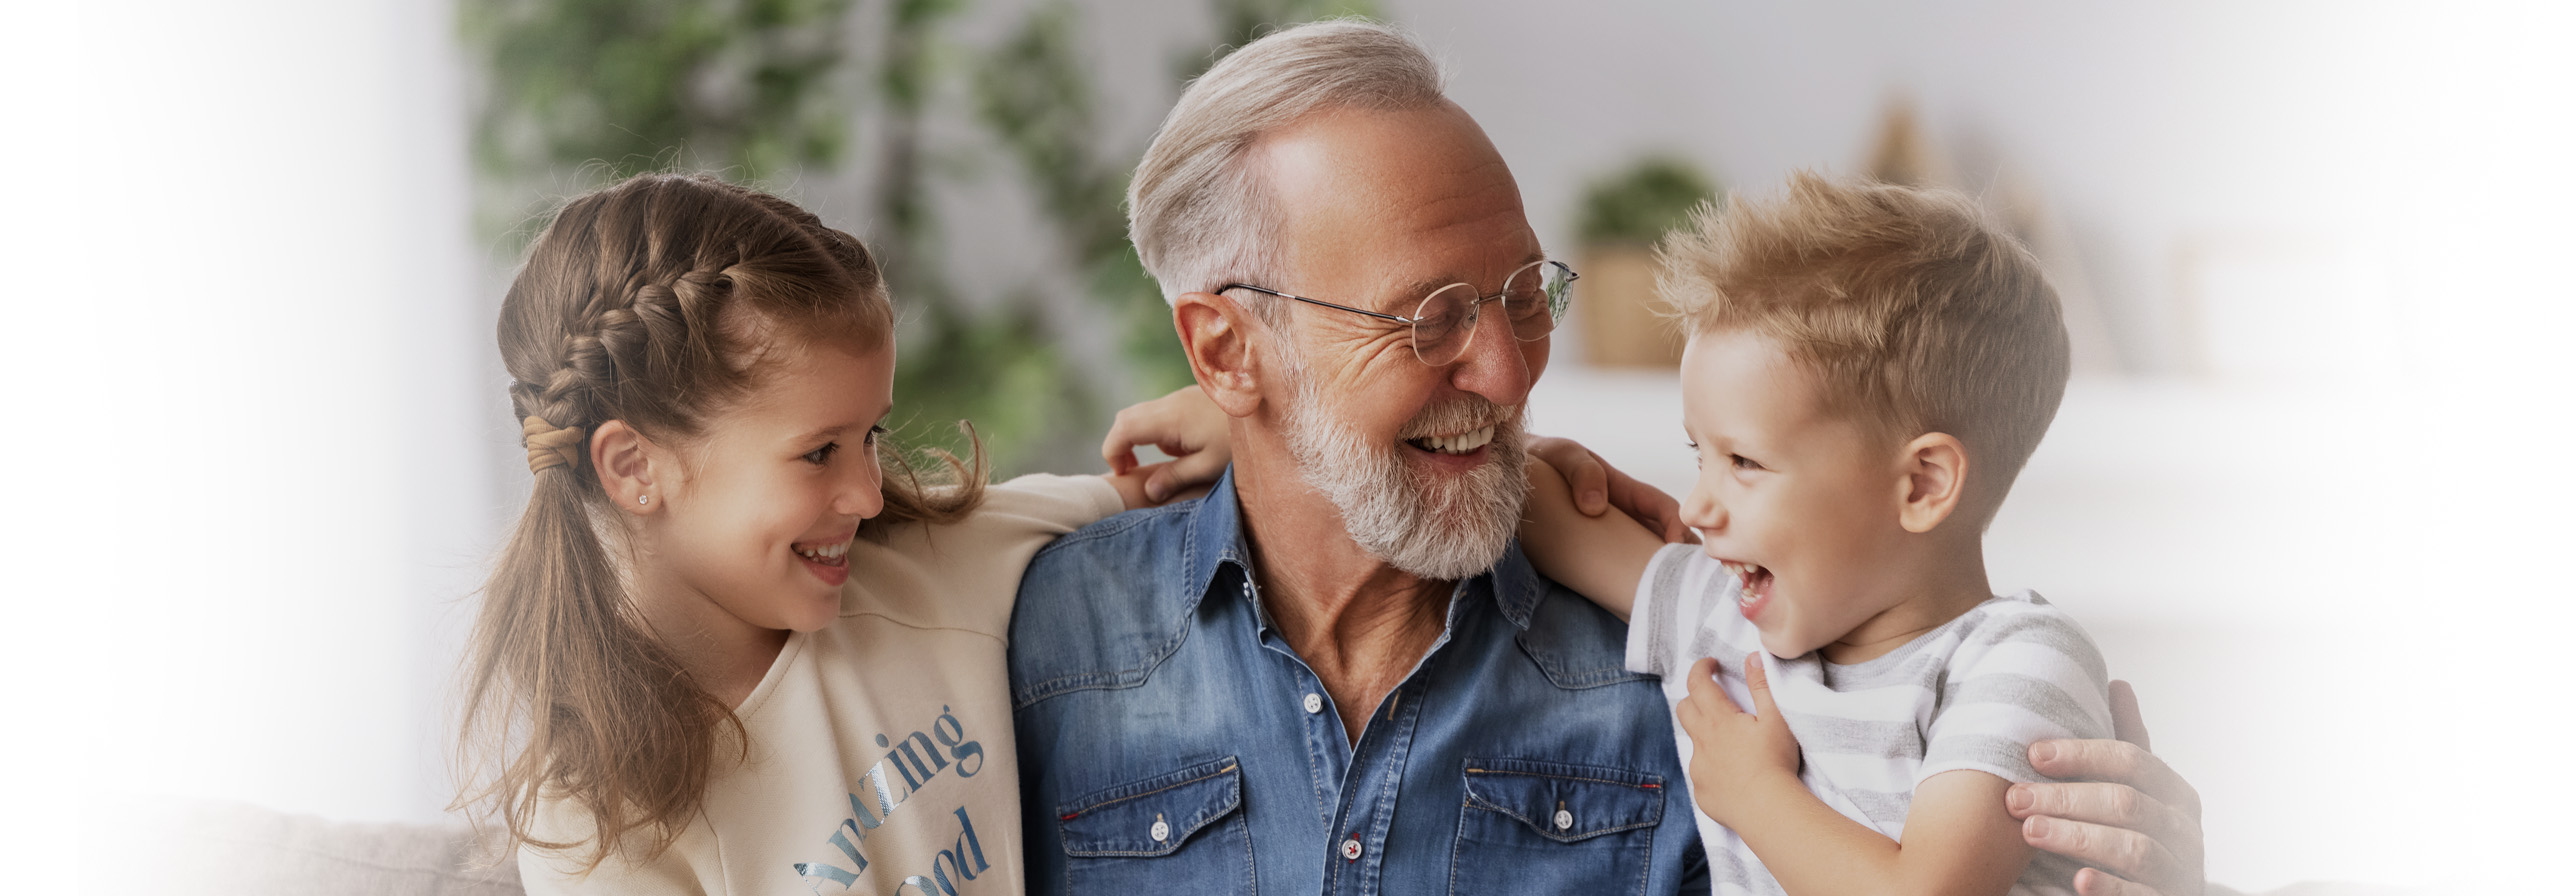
(1171, 741)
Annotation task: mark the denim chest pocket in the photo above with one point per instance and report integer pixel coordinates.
(1186, 825)
(1531, 826)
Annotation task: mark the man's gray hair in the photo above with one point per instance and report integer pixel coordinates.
(1198, 210)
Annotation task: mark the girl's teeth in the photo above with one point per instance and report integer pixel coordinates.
(830, 552)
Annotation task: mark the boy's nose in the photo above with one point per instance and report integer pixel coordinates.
(1700, 510)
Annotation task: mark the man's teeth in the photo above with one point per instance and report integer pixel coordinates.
(1457, 444)
(829, 552)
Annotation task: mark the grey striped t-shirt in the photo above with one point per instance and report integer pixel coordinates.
(1970, 694)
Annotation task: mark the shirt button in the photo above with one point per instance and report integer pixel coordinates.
(1564, 821)
(1159, 831)
(1313, 703)
(1351, 849)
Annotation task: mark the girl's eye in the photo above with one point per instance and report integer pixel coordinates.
(824, 452)
(872, 436)
(1744, 463)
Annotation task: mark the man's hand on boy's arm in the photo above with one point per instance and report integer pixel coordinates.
(2121, 811)
(1596, 486)
(1601, 557)
(1184, 425)
(1744, 775)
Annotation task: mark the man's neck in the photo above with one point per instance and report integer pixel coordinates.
(1359, 624)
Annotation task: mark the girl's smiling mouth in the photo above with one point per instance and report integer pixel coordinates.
(825, 560)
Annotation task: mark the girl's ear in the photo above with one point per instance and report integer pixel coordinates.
(1932, 482)
(1222, 341)
(627, 464)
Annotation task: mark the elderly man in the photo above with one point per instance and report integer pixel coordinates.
(1335, 673)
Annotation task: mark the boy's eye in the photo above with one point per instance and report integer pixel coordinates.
(1744, 463)
(824, 452)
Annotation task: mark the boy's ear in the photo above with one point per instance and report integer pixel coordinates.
(627, 465)
(1224, 345)
(1933, 472)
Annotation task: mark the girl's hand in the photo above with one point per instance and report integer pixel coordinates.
(1184, 425)
(1739, 756)
(1596, 486)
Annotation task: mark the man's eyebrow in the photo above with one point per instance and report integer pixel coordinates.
(1413, 290)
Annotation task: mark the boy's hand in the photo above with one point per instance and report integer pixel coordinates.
(1739, 756)
(2121, 810)
(1184, 425)
(1597, 486)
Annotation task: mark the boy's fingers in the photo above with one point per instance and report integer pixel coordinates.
(1703, 690)
(2128, 715)
(1757, 675)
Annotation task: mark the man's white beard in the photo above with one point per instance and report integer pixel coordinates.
(1444, 530)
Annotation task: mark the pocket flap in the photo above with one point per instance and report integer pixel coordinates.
(1565, 802)
(1152, 817)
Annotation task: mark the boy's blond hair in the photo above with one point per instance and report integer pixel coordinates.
(1913, 312)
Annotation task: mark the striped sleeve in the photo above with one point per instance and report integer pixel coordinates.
(2025, 673)
(1651, 644)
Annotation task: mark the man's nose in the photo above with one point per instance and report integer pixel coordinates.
(1493, 364)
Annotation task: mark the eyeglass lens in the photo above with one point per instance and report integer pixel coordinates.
(1532, 298)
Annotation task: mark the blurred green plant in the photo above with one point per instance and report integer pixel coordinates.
(1638, 204)
(582, 92)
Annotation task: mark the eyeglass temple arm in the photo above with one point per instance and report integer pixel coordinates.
(1273, 292)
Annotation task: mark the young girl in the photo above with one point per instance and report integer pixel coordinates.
(737, 645)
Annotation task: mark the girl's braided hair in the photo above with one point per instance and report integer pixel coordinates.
(653, 301)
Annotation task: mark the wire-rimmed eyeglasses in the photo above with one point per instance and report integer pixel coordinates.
(1534, 297)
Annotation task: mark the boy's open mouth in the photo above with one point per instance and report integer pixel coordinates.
(1755, 586)
(1462, 443)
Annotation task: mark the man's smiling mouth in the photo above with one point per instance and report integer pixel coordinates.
(1461, 443)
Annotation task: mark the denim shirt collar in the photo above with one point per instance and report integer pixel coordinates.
(1215, 538)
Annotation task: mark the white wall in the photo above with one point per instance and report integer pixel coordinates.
(256, 407)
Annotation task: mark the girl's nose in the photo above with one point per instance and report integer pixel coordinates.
(860, 496)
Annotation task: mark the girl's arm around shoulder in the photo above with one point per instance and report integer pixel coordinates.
(1603, 557)
(1187, 427)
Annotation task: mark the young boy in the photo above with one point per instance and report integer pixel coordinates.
(1867, 369)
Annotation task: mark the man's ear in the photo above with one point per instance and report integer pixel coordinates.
(1932, 481)
(1224, 344)
(628, 466)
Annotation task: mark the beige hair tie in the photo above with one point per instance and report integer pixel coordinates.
(547, 446)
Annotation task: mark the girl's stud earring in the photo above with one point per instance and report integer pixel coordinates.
(644, 500)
